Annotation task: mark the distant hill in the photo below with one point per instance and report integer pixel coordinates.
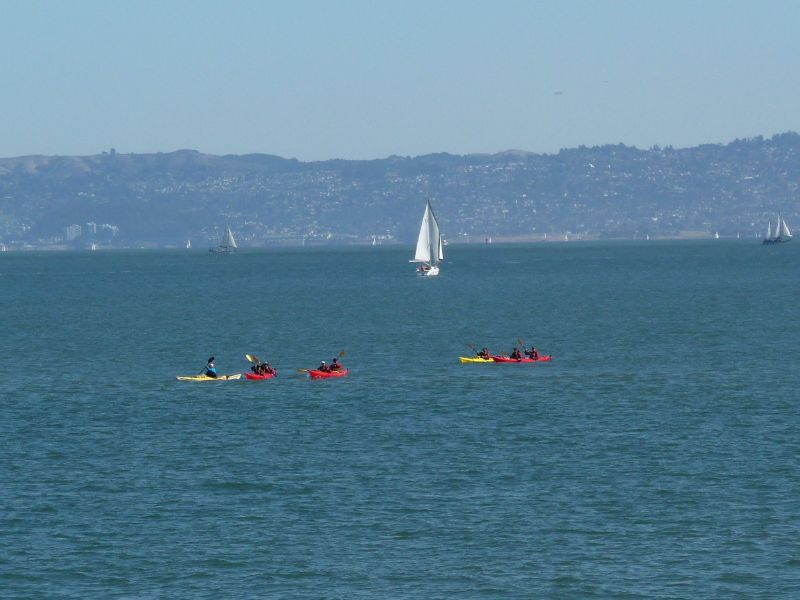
(133, 200)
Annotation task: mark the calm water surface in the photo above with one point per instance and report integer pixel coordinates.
(656, 456)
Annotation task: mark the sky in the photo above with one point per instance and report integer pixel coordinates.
(365, 79)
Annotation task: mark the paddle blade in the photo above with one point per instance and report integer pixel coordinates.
(471, 346)
(250, 358)
(302, 370)
(341, 353)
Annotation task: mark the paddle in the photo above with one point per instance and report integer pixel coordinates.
(302, 370)
(253, 359)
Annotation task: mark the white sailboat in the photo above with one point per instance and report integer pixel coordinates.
(429, 244)
(227, 245)
(188, 244)
(782, 233)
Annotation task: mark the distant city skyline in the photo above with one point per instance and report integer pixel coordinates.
(361, 80)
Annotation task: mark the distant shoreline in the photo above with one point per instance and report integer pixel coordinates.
(468, 241)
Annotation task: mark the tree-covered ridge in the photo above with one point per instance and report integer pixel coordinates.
(606, 191)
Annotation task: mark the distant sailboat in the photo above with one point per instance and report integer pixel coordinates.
(188, 244)
(782, 233)
(93, 247)
(716, 235)
(429, 244)
(227, 245)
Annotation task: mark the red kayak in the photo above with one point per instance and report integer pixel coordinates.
(259, 375)
(315, 374)
(504, 359)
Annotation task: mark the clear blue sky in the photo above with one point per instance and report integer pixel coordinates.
(366, 79)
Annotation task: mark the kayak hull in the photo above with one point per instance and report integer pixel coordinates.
(474, 359)
(258, 376)
(205, 378)
(506, 359)
(315, 374)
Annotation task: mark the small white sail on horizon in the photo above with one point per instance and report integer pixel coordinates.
(429, 244)
(781, 235)
(227, 244)
(784, 230)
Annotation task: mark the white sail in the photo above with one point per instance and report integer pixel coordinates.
(423, 253)
(227, 239)
(429, 241)
(784, 230)
(769, 230)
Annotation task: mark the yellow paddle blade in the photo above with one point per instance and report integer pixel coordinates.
(341, 353)
(302, 370)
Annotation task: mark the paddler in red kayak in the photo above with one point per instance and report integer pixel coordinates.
(532, 353)
(268, 370)
(335, 366)
(323, 366)
(516, 354)
(265, 369)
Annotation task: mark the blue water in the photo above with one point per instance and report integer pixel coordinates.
(655, 457)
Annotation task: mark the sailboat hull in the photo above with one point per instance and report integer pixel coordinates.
(776, 241)
(432, 272)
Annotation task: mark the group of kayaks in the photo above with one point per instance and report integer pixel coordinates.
(261, 371)
(504, 359)
(525, 355)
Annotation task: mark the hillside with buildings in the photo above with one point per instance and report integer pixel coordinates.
(616, 191)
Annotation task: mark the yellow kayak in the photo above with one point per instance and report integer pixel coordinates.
(206, 378)
(474, 359)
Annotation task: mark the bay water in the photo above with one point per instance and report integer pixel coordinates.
(656, 456)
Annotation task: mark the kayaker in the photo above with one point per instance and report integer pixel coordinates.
(211, 370)
(532, 353)
(516, 354)
(323, 366)
(268, 370)
(335, 366)
(484, 353)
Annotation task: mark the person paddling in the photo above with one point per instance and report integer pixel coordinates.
(516, 354)
(323, 366)
(211, 370)
(532, 353)
(484, 353)
(335, 366)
